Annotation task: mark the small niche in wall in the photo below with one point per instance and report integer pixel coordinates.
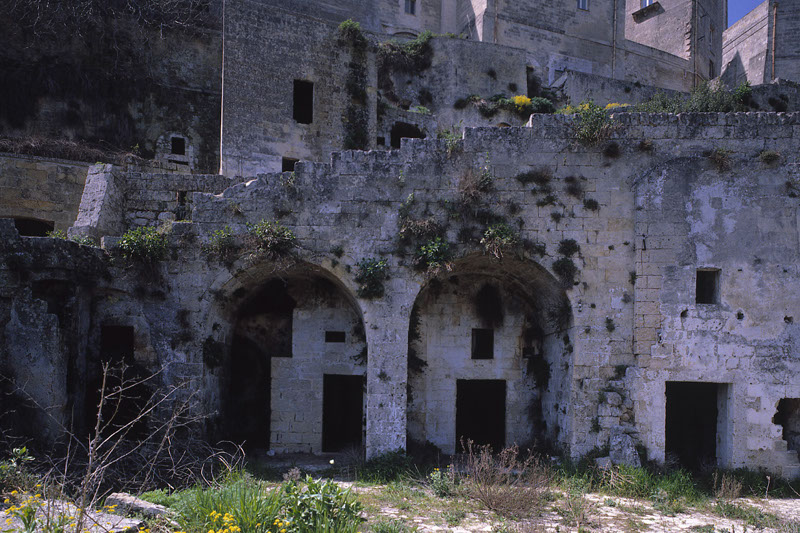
(482, 343)
(335, 336)
(31, 227)
(287, 164)
(178, 146)
(707, 290)
(303, 110)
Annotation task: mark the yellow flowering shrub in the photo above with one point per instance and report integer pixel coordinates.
(521, 100)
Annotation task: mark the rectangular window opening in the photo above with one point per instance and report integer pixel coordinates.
(411, 7)
(287, 164)
(178, 146)
(381, 141)
(335, 336)
(482, 343)
(707, 286)
(646, 3)
(583, 4)
(303, 101)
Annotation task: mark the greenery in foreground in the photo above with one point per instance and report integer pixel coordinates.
(513, 486)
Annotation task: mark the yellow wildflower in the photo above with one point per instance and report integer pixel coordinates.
(521, 100)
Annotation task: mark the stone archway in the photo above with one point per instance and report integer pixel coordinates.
(487, 356)
(293, 379)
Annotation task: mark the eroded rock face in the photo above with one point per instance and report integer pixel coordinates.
(123, 503)
(623, 449)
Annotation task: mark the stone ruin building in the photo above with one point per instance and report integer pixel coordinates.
(639, 291)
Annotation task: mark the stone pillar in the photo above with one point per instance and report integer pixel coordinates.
(386, 326)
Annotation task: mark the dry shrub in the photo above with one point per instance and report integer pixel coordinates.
(473, 184)
(509, 483)
(65, 149)
(726, 487)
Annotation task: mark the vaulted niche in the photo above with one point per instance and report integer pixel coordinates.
(294, 378)
(487, 356)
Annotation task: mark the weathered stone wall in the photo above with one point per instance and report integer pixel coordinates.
(575, 86)
(787, 48)
(114, 83)
(41, 188)
(628, 323)
(749, 45)
(265, 53)
(746, 44)
(46, 287)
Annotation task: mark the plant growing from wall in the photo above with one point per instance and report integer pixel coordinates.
(568, 247)
(591, 204)
(540, 177)
(271, 238)
(356, 118)
(370, 275)
(566, 270)
(350, 34)
(720, 158)
(433, 255)
(146, 245)
(222, 246)
(410, 57)
(592, 124)
(452, 138)
(84, 240)
(705, 98)
(499, 238)
(769, 157)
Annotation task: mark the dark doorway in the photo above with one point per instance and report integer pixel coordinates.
(691, 423)
(788, 417)
(342, 412)
(402, 130)
(127, 390)
(247, 406)
(303, 109)
(30, 227)
(481, 412)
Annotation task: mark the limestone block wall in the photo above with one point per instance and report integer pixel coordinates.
(445, 341)
(41, 188)
(266, 50)
(619, 334)
(153, 80)
(787, 49)
(746, 48)
(151, 199)
(297, 382)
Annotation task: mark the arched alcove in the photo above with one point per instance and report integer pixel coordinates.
(488, 356)
(293, 377)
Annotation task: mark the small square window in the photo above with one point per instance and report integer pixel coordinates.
(178, 146)
(287, 164)
(411, 7)
(482, 343)
(583, 4)
(335, 336)
(707, 286)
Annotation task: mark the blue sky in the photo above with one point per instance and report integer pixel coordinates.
(739, 8)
